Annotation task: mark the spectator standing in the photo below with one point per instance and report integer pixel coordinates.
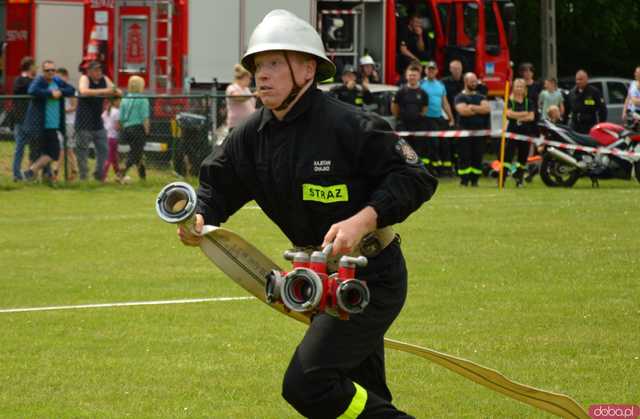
(632, 102)
(136, 126)
(239, 108)
(454, 84)
(93, 87)
(111, 121)
(439, 148)
(550, 96)
(415, 44)
(368, 71)
(587, 107)
(349, 91)
(409, 106)
(521, 117)
(70, 106)
(526, 71)
(28, 71)
(473, 114)
(45, 117)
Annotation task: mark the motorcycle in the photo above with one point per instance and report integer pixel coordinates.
(564, 166)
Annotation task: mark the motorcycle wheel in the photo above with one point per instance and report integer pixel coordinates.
(556, 173)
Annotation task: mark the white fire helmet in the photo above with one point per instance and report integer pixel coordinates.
(281, 30)
(366, 59)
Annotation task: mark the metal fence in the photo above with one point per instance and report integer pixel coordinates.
(183, 129)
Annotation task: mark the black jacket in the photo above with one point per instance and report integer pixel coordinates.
(453, 87)
(20, 87)
(322, 164)
(587, 108)
(357, 96)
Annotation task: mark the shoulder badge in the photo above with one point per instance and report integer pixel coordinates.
(406, 151)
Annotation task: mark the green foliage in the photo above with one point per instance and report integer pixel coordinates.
(600, 36)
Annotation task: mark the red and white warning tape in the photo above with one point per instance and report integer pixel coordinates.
(518, 137)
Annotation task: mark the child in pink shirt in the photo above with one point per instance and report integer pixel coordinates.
(111, 120)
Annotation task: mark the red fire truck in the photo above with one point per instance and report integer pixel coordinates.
(172, 43)
(42, 29)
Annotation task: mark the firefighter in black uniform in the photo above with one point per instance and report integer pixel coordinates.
(349, 91)
(473, 114)
(410, 105)
(454, 84)
(587, 107)
(303, 140)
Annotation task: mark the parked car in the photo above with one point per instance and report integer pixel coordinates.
(382, 94)
(613, 89)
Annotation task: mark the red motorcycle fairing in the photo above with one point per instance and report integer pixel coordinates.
(606, 133)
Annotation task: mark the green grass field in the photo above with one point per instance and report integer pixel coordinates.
(541, 284)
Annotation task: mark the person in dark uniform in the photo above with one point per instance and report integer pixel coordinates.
(414, 44)
(587, 107)
(409, 106)
(454, 84)
(368, 72)
(304, 139)
(521, 117)
(473, 114)
(349, 91)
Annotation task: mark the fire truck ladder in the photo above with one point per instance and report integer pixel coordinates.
(161, 22)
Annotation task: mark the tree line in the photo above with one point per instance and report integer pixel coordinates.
(601, 36)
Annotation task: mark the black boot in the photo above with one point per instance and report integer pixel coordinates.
(519, 177)
(474, 180)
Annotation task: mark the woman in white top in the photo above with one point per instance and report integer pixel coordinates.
(632, 103)
(239, 108)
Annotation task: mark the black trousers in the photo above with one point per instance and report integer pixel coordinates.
(44, 144)
(439, 149)
(419, 144)
(334, 354)
(470, 152)
(136, 138)
(519, 149)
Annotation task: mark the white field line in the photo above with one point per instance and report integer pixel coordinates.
(129, 304)
(101, 217)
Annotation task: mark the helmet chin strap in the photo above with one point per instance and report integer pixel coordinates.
(295, 90)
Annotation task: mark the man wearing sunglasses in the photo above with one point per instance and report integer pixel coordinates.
(45, 117)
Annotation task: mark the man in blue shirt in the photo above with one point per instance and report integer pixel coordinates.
(45, 116)
(439, 149)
